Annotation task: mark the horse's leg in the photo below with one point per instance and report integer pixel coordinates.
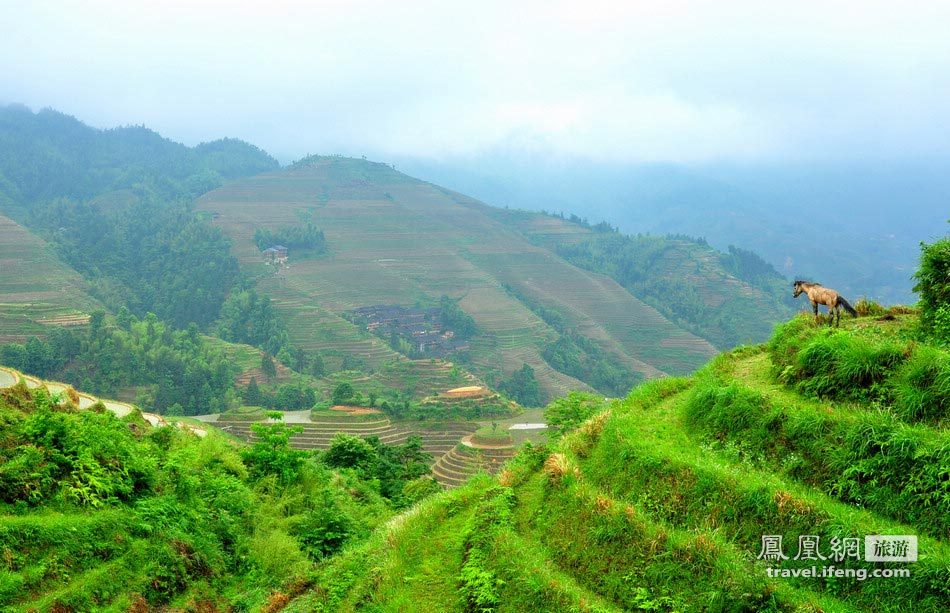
(814, 306)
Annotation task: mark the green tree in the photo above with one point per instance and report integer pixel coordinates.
(268, 367)
(325, 528)
(343, 393)
(455, 319)
(348, 451)
(522, 387)
(933, 285)
(252, 394)
(271, 453)
(316, 366)
(247, 317)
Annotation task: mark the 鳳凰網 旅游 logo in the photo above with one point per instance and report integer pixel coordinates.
(839, 556)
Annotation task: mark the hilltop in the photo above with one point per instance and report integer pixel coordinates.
(659, 501)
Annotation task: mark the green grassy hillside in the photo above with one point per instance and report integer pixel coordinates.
(37, 291)
(660, 501)
(395, 240)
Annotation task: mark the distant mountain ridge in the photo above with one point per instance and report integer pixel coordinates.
(49, 154)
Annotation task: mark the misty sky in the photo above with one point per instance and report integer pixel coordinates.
(622, 81)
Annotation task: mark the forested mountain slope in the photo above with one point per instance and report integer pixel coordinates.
(116, 206)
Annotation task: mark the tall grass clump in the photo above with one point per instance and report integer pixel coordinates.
(872, 460)
(869, 308)
(921, 390)
(836, 364)
(709, 489)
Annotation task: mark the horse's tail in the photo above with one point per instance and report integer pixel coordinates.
(847, 306)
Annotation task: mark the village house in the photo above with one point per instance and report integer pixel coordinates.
(276, 254)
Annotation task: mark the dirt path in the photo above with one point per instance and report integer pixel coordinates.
(10, 377)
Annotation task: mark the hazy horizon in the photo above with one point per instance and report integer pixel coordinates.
(679, 82)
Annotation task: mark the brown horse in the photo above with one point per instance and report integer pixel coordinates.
(828, 297)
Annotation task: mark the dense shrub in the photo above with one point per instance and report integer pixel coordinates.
(921, 390)
(933, 285)
(307, 237)
(271, 453)
(97, 512)
(172, 367)
(833, 363)
(872, 459)
(522, 387)
(565, 414)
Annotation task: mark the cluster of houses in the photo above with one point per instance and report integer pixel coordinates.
(421, 328)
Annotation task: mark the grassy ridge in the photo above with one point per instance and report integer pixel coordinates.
(659, 501)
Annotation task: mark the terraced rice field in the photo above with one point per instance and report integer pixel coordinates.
(318, 433)
(36, 290)
(395, 240)
(463, 461)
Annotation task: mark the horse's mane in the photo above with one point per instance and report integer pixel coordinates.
(801, 282)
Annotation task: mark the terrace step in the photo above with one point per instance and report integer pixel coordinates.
(442, 469)
(447, 481)
(451, 461)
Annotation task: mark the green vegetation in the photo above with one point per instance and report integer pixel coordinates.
(248, 317)
(179, 371)
(885, 364)
(392, 467)
(728, 298)
(576, 355)
(933, 285)
(307, 238)
(660, 501)
(522, 387)
(491, 435)
(286, 397)
(108, 514)
(116, 204)
(438, 409)
(567, 413)
(103, 513)
(149, 255)
(455, 319)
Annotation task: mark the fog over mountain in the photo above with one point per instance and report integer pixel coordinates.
(646, 81)
(854, 225)
(742, 118)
